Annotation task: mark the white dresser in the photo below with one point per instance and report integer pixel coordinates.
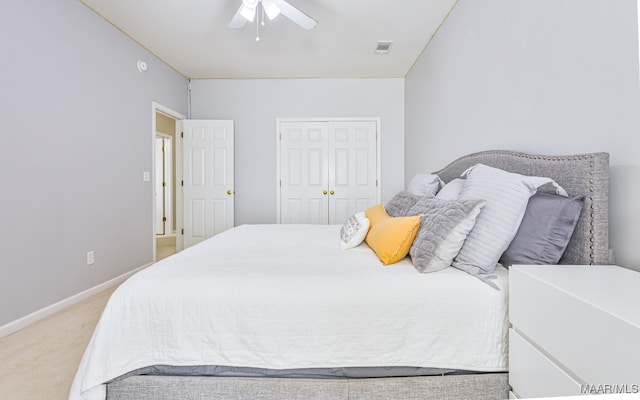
(574, 329)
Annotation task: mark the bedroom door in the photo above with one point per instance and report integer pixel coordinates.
(328, 170)
(208, 182)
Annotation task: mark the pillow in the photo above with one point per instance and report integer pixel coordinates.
(400, 204)
(545, 231)
(390, 237)
(507, 195)
(451, 190)
(443, 229)
(375, 213)
(425, 185)
(354, 230)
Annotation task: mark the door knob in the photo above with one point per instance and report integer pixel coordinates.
(332, 192)
(229, 192)
(324, 192)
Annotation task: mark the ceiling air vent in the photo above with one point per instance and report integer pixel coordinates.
(383, 47)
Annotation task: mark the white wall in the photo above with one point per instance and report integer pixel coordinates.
(254, 105)
(540, 76)
(76, 129)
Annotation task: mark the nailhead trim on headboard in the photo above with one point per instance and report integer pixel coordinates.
(591, 212)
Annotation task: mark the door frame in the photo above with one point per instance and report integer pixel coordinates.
(155, 109)
(327, 119)
(169, 188)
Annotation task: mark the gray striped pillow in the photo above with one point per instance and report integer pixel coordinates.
(506, 195)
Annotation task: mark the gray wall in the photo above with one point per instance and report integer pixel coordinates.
(76, 129)
(540, 76)
(543, 76)
(254, 105)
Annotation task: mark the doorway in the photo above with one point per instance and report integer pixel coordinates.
(202, 189)
(165, 162)
(164, 184)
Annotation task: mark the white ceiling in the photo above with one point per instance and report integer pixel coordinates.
(193, 37)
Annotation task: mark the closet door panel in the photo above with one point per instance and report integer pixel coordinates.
(303, 173)
(352, 168)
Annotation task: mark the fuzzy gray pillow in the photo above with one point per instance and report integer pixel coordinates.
(443, 229)
(401, 203)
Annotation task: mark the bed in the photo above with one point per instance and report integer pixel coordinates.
(272, 312)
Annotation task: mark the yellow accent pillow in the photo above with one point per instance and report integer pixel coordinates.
(376, 213)
(390, 237)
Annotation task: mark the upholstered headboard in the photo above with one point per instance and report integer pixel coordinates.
(582, 174)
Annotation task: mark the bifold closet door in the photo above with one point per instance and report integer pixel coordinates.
(328, 170)
(303, 173)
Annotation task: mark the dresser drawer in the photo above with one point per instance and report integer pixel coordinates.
(583, 317)
(531, 374)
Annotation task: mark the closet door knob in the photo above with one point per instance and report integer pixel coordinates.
(324, 192)
(332, 192)
(229, 192)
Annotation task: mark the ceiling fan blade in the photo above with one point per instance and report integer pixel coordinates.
(295, 15)
(238, 21)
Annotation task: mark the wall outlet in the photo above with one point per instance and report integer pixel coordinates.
(90, 257)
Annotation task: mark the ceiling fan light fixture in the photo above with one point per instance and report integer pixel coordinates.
(248, 13)
(270, 8)
(250, 3)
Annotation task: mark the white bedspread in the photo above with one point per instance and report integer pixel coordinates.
(287, 296)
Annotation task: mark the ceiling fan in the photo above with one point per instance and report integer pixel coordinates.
(272, 8)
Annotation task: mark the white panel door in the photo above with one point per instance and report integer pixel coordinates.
(303, 173)
(352, 168)
(207, 178)
(328, 170)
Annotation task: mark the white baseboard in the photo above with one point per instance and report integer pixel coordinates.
(36, 316)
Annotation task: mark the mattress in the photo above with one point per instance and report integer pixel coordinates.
(280, 297)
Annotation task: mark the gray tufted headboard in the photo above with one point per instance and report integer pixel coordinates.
(582, 174)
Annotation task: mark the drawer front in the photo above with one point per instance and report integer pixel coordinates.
(531, 374)
(598, 348)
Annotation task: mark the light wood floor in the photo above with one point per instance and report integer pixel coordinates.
(40, 361)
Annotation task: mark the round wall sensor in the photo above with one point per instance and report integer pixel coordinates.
(142, 66)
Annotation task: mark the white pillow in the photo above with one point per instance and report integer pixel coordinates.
(354, 231)
(424, 185)
(451, 190)
(506, 195)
